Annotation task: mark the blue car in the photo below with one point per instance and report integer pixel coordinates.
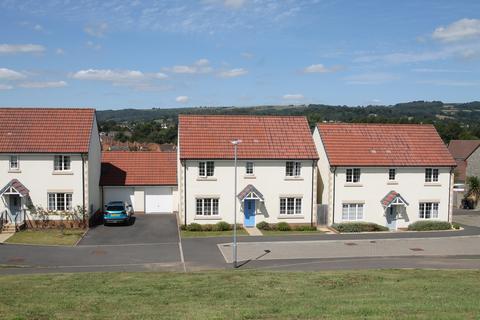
(117, 212)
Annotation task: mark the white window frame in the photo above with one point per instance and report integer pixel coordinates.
(392, 171)
(206, 169)
(353, 211)
(207, 207)
(60, 162)
(17, 161)
(54, 199)
(290, 206)
(249, 166)
(428, 210)
(293, 169)
(352, 175)
(431, 175)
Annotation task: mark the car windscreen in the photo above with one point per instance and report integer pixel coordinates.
(115, 208)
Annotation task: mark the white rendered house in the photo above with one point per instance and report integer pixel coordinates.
(276, 176)
(392, 175)
(49, 158)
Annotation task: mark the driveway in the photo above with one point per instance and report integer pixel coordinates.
(467, 217)
(145, 229)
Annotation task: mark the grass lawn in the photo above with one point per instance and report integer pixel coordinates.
(197, 234)
(375, 294)
(289, 233)
(47, 236)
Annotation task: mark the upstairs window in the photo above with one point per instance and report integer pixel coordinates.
(431, 175)
(392, 174)
(61, 163)
(293, 168)
(249, 168)
(206, 168)
(353, 175)
(13, 163)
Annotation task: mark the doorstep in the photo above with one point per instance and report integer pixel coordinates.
(4, 236)
(253, 231)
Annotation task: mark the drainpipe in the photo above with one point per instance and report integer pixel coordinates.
(450, 195)
(311, 203)
(333, 209)
(185, 191)
(83, 185)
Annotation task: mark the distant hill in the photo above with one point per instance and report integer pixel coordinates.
(452, 120)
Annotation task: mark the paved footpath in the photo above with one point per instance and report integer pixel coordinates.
(327, 249)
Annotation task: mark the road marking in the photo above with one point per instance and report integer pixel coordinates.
(180, 247)
(124, 245)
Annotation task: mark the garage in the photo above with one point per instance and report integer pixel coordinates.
(146, 180)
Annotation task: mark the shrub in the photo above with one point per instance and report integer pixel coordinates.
(305, 228)
(194, 227)
(208, 227)
(222, 226)
(263, 225)
(358, 227)
(283, 226)
(455, 226)
(429, 225)
(183, 227)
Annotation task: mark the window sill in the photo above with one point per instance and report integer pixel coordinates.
(63, 173)
(206, 179)
(293, 179)
(249, 176)
(291, 216)
(392, 182)
(14, 171)
(432, 184)
(208, 218)
(353, 184)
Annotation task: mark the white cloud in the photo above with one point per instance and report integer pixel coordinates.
(5, 87)
(235, 4)
(450, 83)
(109, 75)
(8, 74)
(320, 68)
(182, 99)
(432, 70)
(370, 78)
(458, 30)
(38, 27)
(43, 85)
(160, 75)
(97, 30)
(200, 66)
(59, 51)
(93, 45)
(293, 96)
(21, 48)
(233, 73)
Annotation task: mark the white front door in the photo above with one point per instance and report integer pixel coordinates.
(158, 200)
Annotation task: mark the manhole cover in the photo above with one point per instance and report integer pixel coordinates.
(99, 252)
(373, 241)
(416, 249)
(350, 244)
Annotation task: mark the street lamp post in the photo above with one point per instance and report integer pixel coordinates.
(235, 146)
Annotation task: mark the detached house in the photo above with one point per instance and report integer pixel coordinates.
(392, 175)
(276, 169)
(49, 158)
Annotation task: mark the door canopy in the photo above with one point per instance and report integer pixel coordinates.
(14, 187)
(393, 198)
(250, 193)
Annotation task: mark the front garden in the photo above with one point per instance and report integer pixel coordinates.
(283, 228)
(67, 237)
(220, 229)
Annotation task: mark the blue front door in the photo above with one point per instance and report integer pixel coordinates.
(249, 209)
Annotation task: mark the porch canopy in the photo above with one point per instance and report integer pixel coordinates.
(14, 187)
(250, 193)
(393, 198)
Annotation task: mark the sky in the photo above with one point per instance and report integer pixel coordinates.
(116, 54)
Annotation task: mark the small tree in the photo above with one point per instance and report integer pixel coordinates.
(473, 193)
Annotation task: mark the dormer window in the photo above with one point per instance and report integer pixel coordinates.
(14, 164)
(61, 163)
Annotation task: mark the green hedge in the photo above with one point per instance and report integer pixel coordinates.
(219, 226)
(429, 225)
(358, 227)
(283, 226)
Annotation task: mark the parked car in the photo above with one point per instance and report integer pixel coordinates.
(117, 212)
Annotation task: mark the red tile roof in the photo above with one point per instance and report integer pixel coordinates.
(45, 130)
(383, 145)
(143, 168)
(462, 149)
(263, 137)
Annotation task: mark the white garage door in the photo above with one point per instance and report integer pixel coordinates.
(158, 200)
(119, 194)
